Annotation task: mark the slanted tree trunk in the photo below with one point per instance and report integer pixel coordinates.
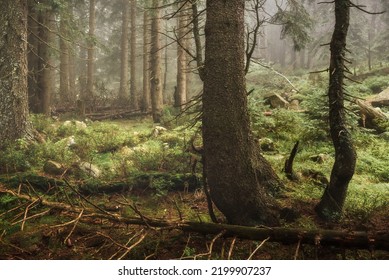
(238, 176)
(123, 91)
(146, 59)
(133, 89)
(13, 71)
(156, 76)
(332, 201)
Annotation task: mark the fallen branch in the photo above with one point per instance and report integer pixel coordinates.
(344, 239)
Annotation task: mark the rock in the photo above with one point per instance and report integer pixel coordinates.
(277, 101)
(53, 168)
(385, 135)
(89, 169)
(158, 130)
(267, 145)
(320, 158)
(294, 104)
(77, 124)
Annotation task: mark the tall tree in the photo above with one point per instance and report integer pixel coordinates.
(156, 76)
(91, 49)
(64, 57)
(123, 91)
(13, 71)
(133, 89)
(238, 175)
(182, 30)
(145, 104)
(332, 201)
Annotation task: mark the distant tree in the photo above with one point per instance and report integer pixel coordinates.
(156, 77)
(123, 90)
(145, 104)
(41, 25)
(91, 50)
(134, 76)
(182, 65)
(332, 201)
(64, 68)
(238, 175)
(13, 71)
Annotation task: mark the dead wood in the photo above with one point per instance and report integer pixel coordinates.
(288, 168)
(319, 237)
(370, 116)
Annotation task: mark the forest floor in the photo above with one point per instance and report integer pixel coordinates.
(121, 189)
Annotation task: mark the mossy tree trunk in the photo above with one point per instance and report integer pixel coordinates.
(238, 176)
(13, 71)
(331, 204)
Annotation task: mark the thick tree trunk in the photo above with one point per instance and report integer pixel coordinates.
(123, 91)
(156, 76)
(133, 89)
(238, 176)
(331, 204)
(146, 60)
(13, 71)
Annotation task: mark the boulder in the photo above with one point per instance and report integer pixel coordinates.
(53, 168)
(89, 169)
(277, 101)
(267, 145)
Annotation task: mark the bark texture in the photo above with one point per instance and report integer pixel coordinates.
(238, 176)
(146, 61)
(332, 201)
(156, 76)
(13, 71)
(123, 91)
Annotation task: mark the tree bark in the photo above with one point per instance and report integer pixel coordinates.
(332, 201)
(123, 91)
(146, 60)
(238, 176)
(91, 52)
(13, 71)
(133, 89)
(181, 91)
(64, 60)
(156, 76)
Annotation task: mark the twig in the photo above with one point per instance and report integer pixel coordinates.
(133, 246)
(256, 249)
(209, 253)
(31, 217)
(74, 226)
(231, 248)
(297, 249)
(25, 213)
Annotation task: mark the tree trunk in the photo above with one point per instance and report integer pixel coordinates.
(181, 91)
(146, 60)
(64, 61)
(91, 53)
(332, 201)
(33, 57)
(238, 176)
(123, 91)
(46, 76)
(133, 90)
(156, 77)
(13, 71)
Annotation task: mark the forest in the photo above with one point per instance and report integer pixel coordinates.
(194, 129)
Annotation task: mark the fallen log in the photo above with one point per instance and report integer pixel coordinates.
(318, 237)
(370, 116)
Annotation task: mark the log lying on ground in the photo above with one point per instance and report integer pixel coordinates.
(370, 116)
(317, 237)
